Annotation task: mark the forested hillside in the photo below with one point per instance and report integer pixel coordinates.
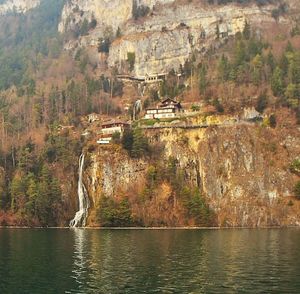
(47, 90)
(25, 39)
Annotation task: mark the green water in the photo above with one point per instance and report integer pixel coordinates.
(146, 261)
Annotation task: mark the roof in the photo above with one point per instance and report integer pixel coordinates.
(170, 101)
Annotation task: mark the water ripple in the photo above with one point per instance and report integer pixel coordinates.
(171, 261)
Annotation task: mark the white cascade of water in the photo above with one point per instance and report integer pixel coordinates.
(84, 203)
(137, 108)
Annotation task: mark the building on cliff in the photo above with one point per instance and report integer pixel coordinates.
(168, 108)
(110, 128)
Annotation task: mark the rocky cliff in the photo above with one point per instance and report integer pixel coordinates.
(242, 171)
(107, 13)
(19, 6)
(167, 36)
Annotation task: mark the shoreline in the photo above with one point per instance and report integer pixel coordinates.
(149, 228)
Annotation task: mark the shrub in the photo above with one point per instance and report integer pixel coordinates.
(219, 107)
(262, 102)
(112, 213)
(196, 206)
(140, 144)
(127, 140)
(116, 137)
(272, 120)
(92, 24)
(297, 190)
(195, 107)
(131, 60)
(84, 28)
(103, 45)
(295, 166)
(135, 143)
(139, 10)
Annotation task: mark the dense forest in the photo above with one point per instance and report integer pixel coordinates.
(31, 37)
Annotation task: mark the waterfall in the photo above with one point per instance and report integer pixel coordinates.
(137, 107)
(84, 204)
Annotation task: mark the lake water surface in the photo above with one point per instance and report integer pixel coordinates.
(149, 261)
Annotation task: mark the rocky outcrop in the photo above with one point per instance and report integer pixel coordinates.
(166, 37)
(242, 171)
(107, 13)
(153, 51)
(19, 6)
(113, 176)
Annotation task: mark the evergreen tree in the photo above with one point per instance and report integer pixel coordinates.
(240, 53)
(47, 198)
(127, 140)
(202, 79)
(289, 47)
(284, 64)
(271, 61)
(140, 144)
(277, 82)
(247, 31)
(217, 32)
(223, 68)
(257, 64)
(18, 193)
(291, 91)
(33, 193)
(294, 67)
(262, 102)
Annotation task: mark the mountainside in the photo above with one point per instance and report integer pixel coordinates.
(244, 176)
(225, 151)
(19, 6)
(163, 34)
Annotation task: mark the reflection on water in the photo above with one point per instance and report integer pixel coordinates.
(81, 259)
(235, 261)
(142, 261)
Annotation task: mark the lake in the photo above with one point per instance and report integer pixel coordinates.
(149, 261)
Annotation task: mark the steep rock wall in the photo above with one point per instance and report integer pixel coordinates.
(110, 173)
(107, 13)
(242, 171)
(166, 37)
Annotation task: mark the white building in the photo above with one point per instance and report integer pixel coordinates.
(166, 109)
(93, 117)
(111, 127)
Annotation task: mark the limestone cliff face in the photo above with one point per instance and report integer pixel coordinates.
(166, 37)
(242, 170)
(112, 172)
(19, 6)
(107, 13)
(153, 52)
